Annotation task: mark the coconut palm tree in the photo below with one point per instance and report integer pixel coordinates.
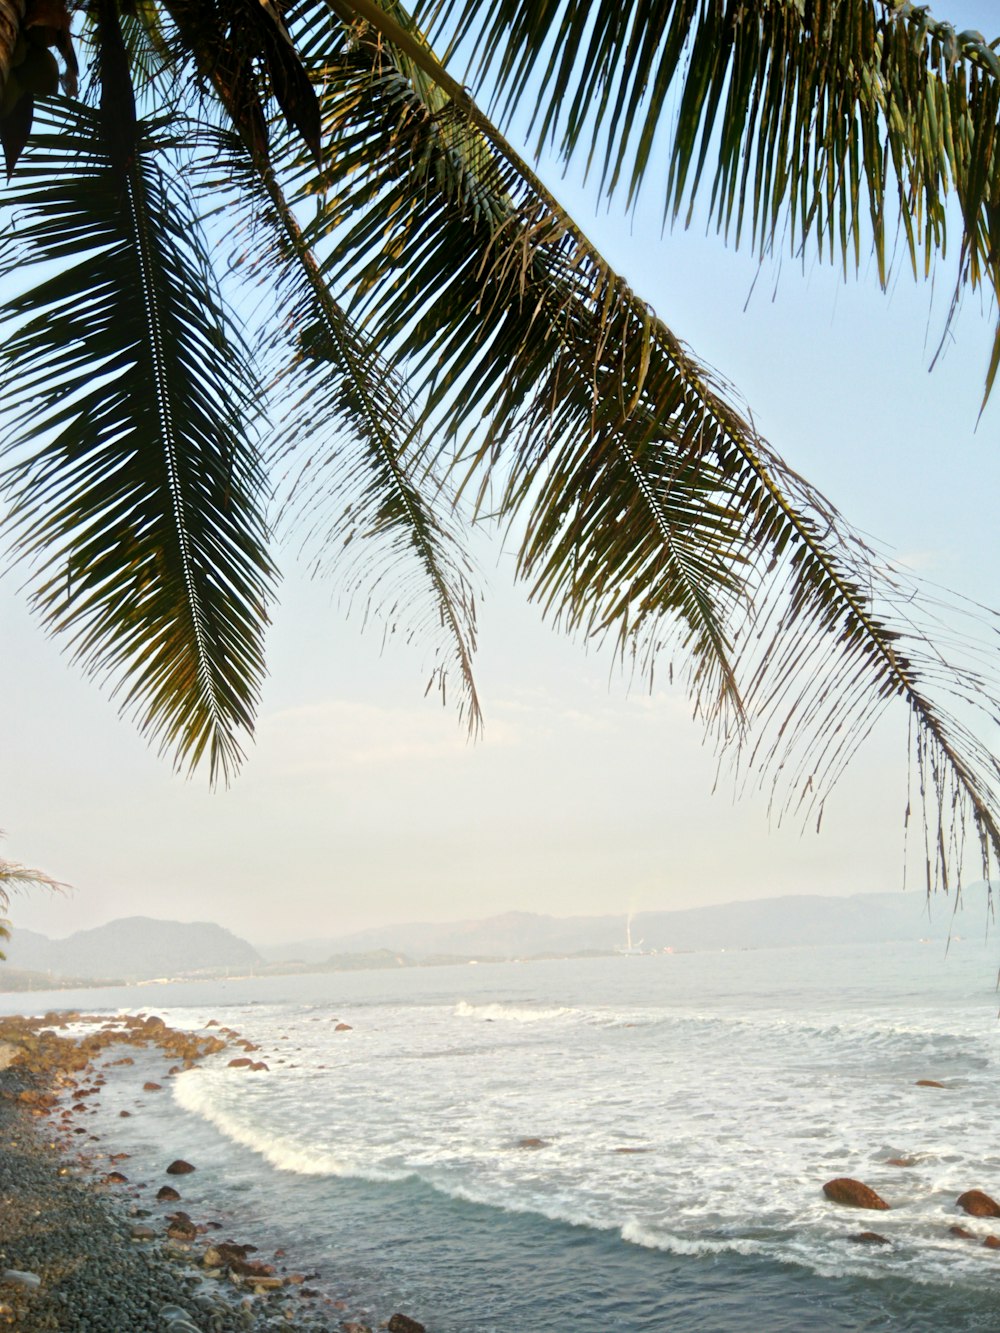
(267, 258)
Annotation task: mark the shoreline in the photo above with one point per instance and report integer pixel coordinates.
(85, 1250)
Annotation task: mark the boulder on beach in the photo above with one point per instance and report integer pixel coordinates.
(978, 1204)
(869, 1238)
(241, 1062)
(234, 1259)
(992, 1243)
(167, 1194)
(928, 1083)
(853, 1194)
(402, 1323)
(343, 1027)
(962, 1233)
(179, 1168)
(152, 1087)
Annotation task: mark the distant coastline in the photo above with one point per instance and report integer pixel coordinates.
(159, 952)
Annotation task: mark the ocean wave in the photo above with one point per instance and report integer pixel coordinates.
(635, 1233)
(511, 1013)
(197, 1094)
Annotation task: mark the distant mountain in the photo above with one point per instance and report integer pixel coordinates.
(135, 948)
(803, 919)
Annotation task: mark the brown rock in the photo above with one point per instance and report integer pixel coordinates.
(153, 1023)
(182, 1229)
(152, 1087)
(531, 1143)
(900, 1161)
(869, 1238)
(928, 1083)
(143, 1233)
(212, 1023)
(978, 1204)
(963, 1233)
(853, 1194)
(32, 1098)
(115, 1178)
(992, 1243)
(241, 1062)
(402, 1323)
(179, 1168)
(124, 1114)
(167, 1194)
(346, 1027)
(258, 1066)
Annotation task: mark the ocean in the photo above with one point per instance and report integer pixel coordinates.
(631, 1143)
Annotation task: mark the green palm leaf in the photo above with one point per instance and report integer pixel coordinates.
(132, 478)
(358, 495)
(847, 120)
(650, 508)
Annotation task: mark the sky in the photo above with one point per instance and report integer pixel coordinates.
(362, 802)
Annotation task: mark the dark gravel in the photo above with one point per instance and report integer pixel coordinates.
(56, 1226)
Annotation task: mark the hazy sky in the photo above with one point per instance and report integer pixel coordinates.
(362, 802)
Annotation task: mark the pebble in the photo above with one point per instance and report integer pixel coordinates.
(15, 1278)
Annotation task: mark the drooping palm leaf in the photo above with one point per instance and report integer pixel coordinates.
(361, 501)
(651, 510)
(845, 119)
(132, 477)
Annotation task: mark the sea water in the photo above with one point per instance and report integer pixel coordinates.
(626, 1143)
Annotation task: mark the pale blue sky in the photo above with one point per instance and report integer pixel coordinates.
(362, 801)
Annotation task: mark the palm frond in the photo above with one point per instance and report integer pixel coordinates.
(844, 122)
(650, 509)
(359, 497)
(132, 478)
(17, 878)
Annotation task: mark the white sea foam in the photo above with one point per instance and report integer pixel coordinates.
(511, 1013)
(696, 1247)
(198, 1094)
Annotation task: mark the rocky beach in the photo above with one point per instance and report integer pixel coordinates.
(84, 1249)
(738, 1141)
